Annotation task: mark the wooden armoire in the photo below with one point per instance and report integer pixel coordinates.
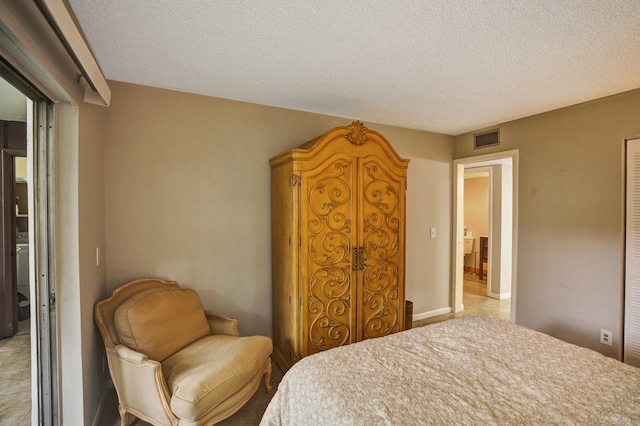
(338, 242)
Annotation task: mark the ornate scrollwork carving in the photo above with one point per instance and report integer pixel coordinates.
(330, 299)
(329, 243)
(381, 245)
(358, 134)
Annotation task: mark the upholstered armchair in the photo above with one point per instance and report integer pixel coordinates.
(173, 363)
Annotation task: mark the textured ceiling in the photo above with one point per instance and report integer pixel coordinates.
(447, 67)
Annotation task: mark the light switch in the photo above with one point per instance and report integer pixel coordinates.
(433, 232)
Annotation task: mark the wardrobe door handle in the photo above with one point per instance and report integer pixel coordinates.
(362, 258)
(355, 258)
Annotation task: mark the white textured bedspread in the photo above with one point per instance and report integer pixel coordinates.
(467, 371)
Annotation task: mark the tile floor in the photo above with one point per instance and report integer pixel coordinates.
(15, 378)
(14, 352)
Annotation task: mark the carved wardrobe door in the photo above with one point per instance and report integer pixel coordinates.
(327, 265)
(381, 230)
(338, 230)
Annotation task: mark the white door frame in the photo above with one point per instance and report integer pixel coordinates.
(631, 316)
(45, 383)
(459, 166)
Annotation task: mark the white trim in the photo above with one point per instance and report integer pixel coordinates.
(68, 30)
(430, 314)
(500, 296)
(631, 317)
(458, 237)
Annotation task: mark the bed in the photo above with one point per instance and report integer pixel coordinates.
(474, 370)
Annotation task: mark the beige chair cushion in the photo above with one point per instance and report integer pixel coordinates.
(207, 372)
(159, 322)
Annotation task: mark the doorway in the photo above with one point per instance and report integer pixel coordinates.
(17, 291)
(501, 237)
(27, 214)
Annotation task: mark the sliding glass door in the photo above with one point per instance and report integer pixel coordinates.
(33, 221)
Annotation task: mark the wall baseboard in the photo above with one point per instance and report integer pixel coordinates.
(433, 313)
(500, 296)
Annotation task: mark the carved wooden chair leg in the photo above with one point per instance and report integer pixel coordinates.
(267, 378)
(124, 416)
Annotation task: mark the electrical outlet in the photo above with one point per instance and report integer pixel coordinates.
(606, 337)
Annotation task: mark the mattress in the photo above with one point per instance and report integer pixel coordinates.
(474, 370)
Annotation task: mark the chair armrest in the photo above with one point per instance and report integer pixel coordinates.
(222, 324)
(130, 355)
(140, 384)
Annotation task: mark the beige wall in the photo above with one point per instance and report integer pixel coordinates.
(91, 215)
(570, 226)
(188, 197)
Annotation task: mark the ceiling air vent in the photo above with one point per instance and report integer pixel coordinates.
(486, 139)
